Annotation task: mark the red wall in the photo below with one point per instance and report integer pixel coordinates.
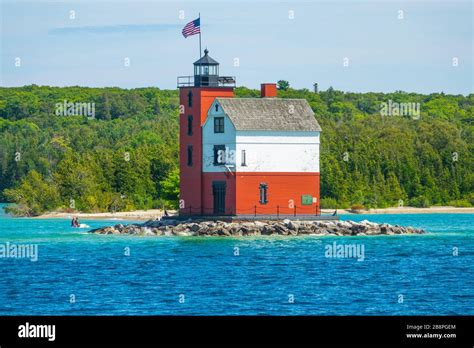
(282, 187)
(190, 177)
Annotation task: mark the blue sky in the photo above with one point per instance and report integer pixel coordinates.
(385, 53)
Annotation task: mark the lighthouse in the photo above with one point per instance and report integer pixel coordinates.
(196, 94)
(245, 156)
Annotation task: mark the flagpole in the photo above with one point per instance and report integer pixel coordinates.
(200, 29)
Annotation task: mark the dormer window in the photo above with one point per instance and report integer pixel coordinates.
(217, 107)
(218, 124)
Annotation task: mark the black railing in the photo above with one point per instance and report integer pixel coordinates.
(205, 81)
(256, 211)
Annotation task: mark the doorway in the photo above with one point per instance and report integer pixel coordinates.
(218, 191)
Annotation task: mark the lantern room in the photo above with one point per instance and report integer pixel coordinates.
(206, 74)
(206, 71)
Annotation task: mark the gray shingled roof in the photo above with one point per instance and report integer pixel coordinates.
(270, 114)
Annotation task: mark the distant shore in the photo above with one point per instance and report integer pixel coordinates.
(411, 210)
(157, 213)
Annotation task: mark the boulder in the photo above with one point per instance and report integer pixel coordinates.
(293, 226)
(280, 228)
(194, 227)
(268, 230)
(182, 233)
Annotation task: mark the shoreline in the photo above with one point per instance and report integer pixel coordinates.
(158, 213)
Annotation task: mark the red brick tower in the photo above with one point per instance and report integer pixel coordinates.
(196, 94)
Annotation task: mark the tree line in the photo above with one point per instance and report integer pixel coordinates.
(125, 156)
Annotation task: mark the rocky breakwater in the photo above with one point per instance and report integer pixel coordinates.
(256, 228)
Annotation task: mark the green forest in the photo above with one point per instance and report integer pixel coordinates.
(126, 156)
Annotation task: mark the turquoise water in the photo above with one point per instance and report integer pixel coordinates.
(203, 276)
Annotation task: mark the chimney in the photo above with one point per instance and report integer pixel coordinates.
(268, 90)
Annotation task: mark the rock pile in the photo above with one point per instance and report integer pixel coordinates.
(256, 228)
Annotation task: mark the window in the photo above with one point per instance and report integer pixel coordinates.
(190, 155)
(244, 158)
(218, 124)
(213, 70)
(263, 194)
(217, 107)
(190, 99)
(219, 155)
(190, 125)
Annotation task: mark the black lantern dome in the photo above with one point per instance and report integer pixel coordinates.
(206, 71)
(206, 74)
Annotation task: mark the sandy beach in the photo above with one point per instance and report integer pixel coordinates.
(411, 210)
(156, 213)
(123, 215)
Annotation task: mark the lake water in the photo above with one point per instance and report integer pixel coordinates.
(78, 273)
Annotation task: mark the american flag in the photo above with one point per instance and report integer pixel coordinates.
(192, 28)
